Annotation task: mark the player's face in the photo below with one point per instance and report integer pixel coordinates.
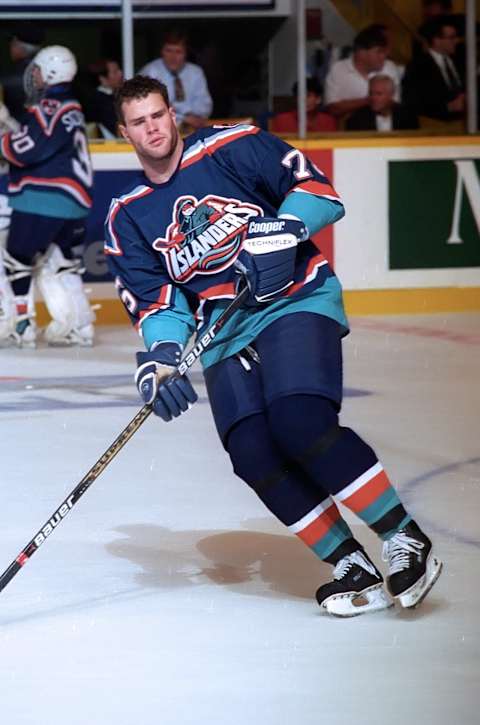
(37, 78)
(150, 127)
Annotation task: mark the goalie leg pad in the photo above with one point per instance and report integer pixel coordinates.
(60, 283)
(17, 312)
(7, 305)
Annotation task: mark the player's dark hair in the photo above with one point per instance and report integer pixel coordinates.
(136, 88)
(372, 36)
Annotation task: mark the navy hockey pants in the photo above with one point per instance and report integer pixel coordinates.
(278, 421)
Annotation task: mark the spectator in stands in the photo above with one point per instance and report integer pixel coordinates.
(24, 43)
(186, 82)
(346, 87)
(317, 120)
(382, 112)
(430, 9)
(435, 8)
(432, 85)
(109, 76)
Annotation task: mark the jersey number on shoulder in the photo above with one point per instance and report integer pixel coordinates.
(21, 141)
(82, 165)
(295, 159)
(126, 296)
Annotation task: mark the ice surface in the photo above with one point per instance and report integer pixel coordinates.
(170, 596)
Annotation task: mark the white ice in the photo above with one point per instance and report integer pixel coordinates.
(170, 596)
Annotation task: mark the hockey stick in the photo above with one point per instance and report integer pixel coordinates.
(116, 446)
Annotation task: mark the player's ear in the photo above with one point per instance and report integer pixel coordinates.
(123, 131)
(173, 114)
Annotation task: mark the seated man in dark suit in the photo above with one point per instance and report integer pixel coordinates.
(109, 76)
(382, 112)
(432, 85)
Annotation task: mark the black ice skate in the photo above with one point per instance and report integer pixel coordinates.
(413, 569)
(356, 588)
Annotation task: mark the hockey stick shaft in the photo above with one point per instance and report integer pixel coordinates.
(66, 506)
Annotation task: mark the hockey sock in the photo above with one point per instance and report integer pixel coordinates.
(337, 459)
(308, 511)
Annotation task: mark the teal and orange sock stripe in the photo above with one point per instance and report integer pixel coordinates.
(372, 498)
(322, 529)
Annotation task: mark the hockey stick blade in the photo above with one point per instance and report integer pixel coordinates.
(66, 506)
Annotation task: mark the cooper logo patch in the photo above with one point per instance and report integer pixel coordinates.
(205, 236)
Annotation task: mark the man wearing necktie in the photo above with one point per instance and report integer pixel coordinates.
(432, 85)
(186, 82)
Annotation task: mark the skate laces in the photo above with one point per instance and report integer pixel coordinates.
(397, 550)
(344, 565)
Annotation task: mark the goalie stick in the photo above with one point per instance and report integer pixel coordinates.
(98, 467)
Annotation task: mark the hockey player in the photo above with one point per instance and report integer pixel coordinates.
(274, 372)
(50, 187)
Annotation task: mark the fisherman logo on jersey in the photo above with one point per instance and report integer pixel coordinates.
(205, 236)
(50, 106)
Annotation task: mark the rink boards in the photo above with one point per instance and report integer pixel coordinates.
(410, 239)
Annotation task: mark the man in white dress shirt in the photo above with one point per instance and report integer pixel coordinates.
(346, 84)
(186, 82)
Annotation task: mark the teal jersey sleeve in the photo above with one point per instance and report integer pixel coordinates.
(175, 324)
(315, 211)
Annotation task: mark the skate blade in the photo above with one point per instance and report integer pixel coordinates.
(69, 343)
(12, 343)
(417, 593)
(351, 604)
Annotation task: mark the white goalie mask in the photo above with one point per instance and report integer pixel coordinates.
(51, 65)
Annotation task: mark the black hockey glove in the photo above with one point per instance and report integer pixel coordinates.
(169, 397)
(267, 259)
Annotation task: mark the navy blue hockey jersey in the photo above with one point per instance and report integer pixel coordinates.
(172, 246)
(49, 154)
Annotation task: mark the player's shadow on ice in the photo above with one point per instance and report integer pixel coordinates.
(250, 562)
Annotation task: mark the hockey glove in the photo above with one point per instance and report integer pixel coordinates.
(267, 259)
(169, 396)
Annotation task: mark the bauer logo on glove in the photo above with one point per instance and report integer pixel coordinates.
(169, 394)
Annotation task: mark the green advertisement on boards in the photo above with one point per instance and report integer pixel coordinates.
(434, 214)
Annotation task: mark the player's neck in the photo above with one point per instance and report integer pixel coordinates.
(161, 170)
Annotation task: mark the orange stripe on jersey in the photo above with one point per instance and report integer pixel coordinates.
(318, 188)
(317, 261)
(117, 205)
(220, 290)
(125, 201)
(321, 526)
(49, 125)
(162, 302)
(210, 149)
(56, 181)
(7, 151)
(369, 492)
